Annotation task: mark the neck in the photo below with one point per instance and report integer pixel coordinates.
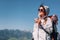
(43, 17)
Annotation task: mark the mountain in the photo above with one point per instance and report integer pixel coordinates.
(15, 35)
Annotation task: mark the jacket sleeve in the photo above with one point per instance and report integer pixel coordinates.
(35, 31)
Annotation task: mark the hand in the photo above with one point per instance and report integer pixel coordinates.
(37, 20)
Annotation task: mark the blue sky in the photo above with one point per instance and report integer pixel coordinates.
(20, 14)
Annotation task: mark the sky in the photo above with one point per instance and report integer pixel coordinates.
(20, 14)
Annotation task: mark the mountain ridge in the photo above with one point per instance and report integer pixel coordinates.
(15, 34)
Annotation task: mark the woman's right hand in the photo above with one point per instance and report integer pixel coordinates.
(37, 20)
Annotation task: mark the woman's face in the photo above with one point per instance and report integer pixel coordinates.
(41, 12)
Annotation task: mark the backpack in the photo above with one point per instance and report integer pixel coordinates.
(54, 33)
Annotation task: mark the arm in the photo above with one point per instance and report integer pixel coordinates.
(36, 29)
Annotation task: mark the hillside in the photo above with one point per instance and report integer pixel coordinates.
(14, 35)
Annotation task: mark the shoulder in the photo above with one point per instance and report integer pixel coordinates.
(53, 17)
(49, 18)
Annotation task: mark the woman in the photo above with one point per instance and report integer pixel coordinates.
(42, 26)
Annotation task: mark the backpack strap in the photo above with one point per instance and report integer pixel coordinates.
(44, 30)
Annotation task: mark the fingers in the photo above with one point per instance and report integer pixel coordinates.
(37, 20)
